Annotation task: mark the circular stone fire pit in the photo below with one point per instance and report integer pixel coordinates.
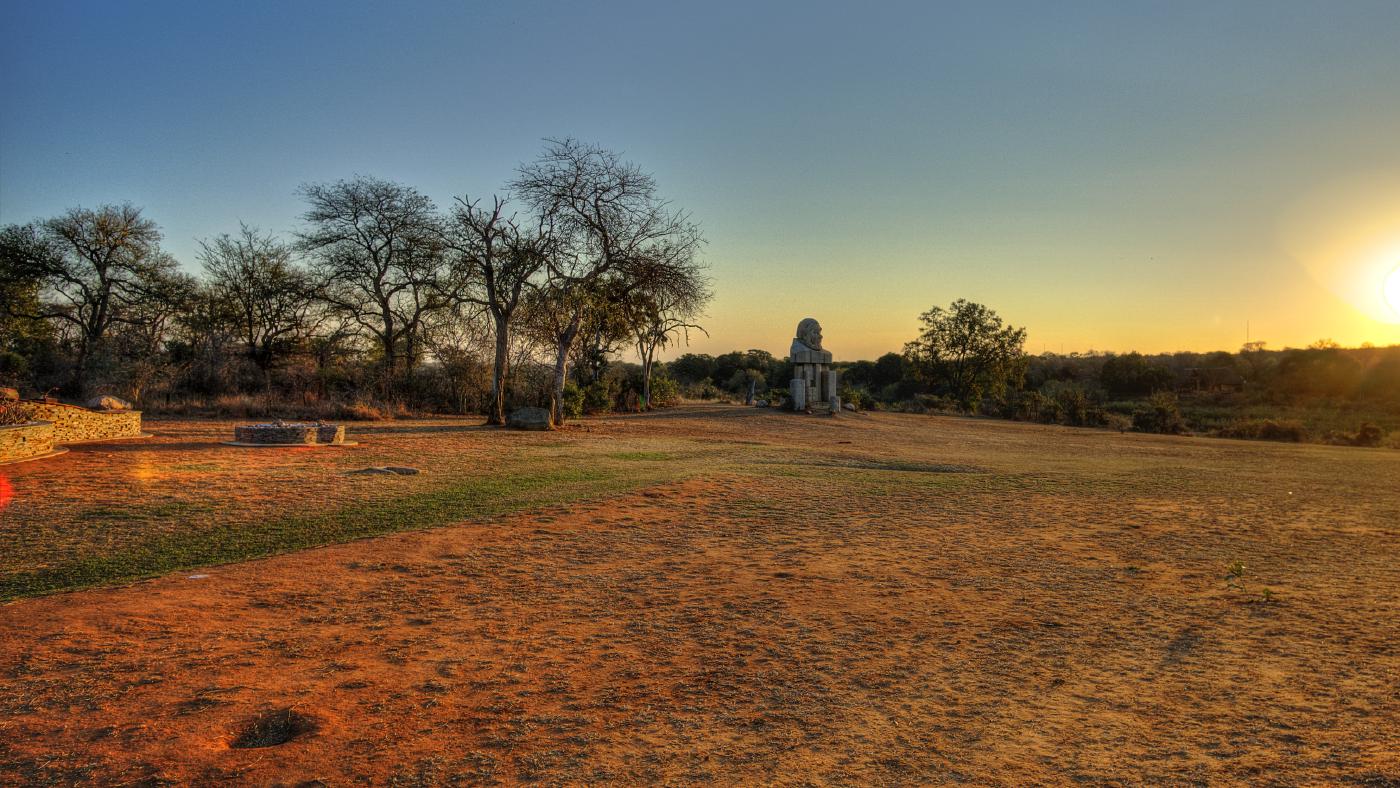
(285, 433)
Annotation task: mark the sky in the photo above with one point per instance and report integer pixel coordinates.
(1110, 175)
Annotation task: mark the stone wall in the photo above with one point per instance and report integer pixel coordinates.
(72, 424)
(22, 441)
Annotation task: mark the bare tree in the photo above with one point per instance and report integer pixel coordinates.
(270, 295)
(458, 337)
(96, 268)
(662, 309)
(497, 261)
(606, 213)
(145, 329)
(379, 258)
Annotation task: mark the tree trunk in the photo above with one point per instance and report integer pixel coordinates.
(561, 369)
(497, 413)
(78, 386)
(646, 382)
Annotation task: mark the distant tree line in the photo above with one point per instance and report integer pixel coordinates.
(381, 302)
(967, 360)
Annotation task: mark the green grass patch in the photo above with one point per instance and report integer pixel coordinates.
(191, 548)
(642, 456)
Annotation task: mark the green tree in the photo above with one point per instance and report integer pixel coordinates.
(97, 270)
(270, 296)
(967, 352)
(1131, 374)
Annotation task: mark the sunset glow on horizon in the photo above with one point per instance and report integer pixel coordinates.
(1111, 176)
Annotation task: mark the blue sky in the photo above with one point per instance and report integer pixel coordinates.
(1110, 175)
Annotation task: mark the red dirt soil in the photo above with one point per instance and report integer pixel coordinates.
(891, 625)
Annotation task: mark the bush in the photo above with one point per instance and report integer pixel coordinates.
(933, 403)
(1264, 430)
(597, 397)
(12, 412)
(1034, 406)
(1117, 421)
(1162, 414)
(1073, 405)
(859, 398)
(665, 391)
(13, 367)
(573, 401)
(1369, 435)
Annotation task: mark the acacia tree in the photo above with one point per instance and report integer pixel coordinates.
(967, 351)
(379, 259)
(97, 269)
(669, 294)
(270, 296)
(497, 261)
(606, 213)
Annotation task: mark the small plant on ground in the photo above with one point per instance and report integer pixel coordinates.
(1234, 580)
(12, 412)
(1234, 576)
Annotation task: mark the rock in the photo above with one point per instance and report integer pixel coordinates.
(108, 402)
(386, 470)
(10, 394)
(762, 403)
(848, 406)
(529, 419)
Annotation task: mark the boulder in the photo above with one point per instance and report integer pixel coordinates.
(108, 402)
(9, 394)
(386, 470)
(848, 406)
(529, 419)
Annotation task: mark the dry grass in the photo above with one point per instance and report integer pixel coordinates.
(868, 600)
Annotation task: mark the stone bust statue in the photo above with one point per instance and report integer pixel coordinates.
(813, 380)
(809, 335)
(807, 346)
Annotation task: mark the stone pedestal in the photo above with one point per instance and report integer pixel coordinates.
(798, 392)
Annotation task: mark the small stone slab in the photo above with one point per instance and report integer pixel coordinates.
(283, 433)
(386, 470)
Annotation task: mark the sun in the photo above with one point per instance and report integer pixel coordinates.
(1392, 290)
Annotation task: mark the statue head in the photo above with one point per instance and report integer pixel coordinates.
(809, 333)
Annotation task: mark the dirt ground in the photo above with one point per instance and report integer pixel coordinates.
(777, 599)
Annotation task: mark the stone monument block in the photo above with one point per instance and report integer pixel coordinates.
(814, 383)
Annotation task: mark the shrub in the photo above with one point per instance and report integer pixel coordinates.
(597, 397)
(1034, 406)
(859, 397)
(573, 401)
(12, 412)
(13, 367)
(1073, 405)
(1117, 421)
(1264, 430)
(665, 391)
(1161, 414)
(1368, 435)
(933, 403)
